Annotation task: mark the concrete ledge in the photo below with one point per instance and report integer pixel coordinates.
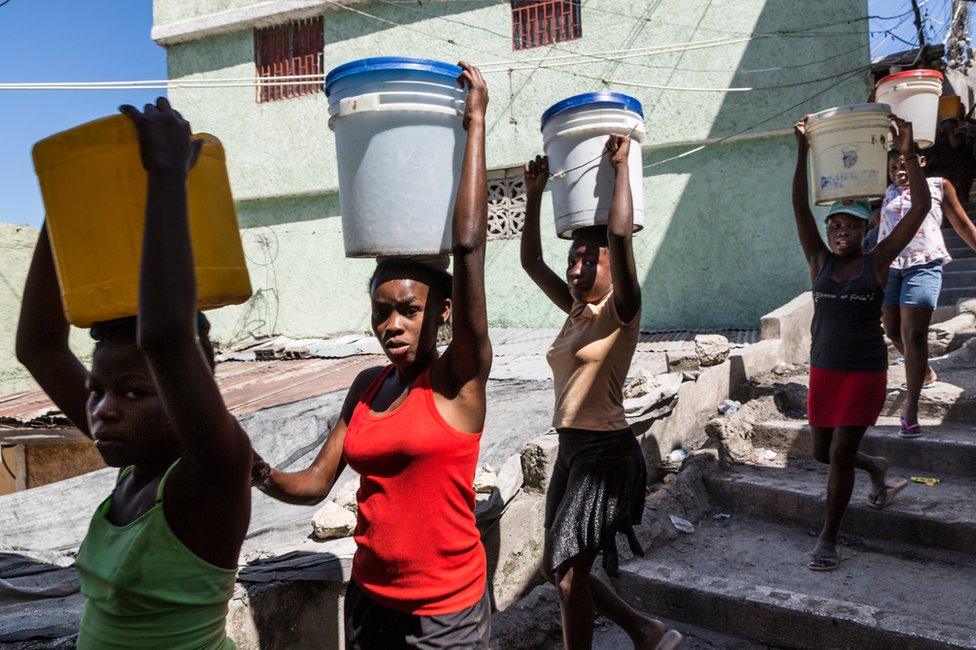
(791, 325)
(261, 14)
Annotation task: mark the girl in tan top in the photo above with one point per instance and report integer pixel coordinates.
(599, 483)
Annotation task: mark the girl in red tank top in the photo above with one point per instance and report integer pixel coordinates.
(412, 430)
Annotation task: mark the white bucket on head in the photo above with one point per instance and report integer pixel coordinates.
(849, 152)
(914, 97)
(575, 133)
(399, 145)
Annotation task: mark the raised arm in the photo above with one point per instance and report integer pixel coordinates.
(536, 173)
(891, 246)
(219, 452)
(469, 355)
(956, 214)
(812, 244)
(42, 338)
(620, 233)
(311, 485)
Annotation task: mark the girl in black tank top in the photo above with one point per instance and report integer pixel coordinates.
(847, 333)
(848, 356)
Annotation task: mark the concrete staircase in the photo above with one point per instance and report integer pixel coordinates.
(908, 575)
(959, 275)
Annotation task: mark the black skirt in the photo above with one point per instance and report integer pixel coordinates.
(597, 491)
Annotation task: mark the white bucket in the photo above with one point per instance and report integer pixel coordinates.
(849, 152)
(914, 97)
(399, 145)
(575, 133)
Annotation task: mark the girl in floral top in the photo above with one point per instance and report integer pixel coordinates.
(915, 279)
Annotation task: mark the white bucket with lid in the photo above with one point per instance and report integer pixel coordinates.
(849, 152)
(914, 97)
(399, 145)
(575, 133)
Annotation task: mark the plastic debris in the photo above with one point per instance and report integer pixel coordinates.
(677, 456)
(683, 525)
(930, 481)
(721, 516)
(769, 454)
(729, 406)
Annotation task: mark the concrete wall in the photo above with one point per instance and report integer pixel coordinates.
(16, 249)
(719, 247)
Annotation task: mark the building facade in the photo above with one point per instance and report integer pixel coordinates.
(719, 247)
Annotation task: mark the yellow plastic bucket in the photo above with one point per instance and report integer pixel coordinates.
(848, 152)
(94, 190)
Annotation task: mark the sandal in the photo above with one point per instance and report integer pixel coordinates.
(910, 430)
(888, 492)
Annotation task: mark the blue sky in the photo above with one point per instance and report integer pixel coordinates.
(65, 40)
(108, 40)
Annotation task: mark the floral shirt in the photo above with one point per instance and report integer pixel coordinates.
(928, 244)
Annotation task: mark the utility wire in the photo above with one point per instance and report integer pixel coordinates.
(753, 126)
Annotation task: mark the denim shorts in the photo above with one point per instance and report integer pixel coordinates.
(915, 286)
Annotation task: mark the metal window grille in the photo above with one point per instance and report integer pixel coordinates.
(506, 203)
(543, 22)
(294, 48)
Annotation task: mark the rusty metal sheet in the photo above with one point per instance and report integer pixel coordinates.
(246, 386)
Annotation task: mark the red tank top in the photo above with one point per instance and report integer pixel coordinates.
(418, 549)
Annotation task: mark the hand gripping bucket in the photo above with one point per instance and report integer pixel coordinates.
(575, 133)
(914, 96)
(849, 152)
(400, 144)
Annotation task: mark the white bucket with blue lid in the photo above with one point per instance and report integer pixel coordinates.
(399, 146)
(849, 152)
(574, 133)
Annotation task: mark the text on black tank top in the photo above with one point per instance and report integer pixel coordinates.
(847, 333)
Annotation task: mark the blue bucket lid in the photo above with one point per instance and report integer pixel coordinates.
(604, 98)
(380, 63)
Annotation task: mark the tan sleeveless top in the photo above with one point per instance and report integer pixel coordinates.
(590, 359)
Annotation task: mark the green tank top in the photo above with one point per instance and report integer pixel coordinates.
(145, 589)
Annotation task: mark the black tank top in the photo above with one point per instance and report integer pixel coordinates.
(847, 333)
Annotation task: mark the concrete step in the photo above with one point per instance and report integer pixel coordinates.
(748, 576)
(950, 296)
(952, 279)
(948, 448)
(607, 636)
(961, 264)
(960, 252)
(942, 516)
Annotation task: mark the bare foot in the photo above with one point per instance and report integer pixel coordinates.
(879, 473)
(824, 556)
(930, 376)
(651, 632)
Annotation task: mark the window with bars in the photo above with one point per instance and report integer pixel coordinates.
(289, 50)
(543, 22)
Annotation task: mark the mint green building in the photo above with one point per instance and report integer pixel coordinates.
(724, 80)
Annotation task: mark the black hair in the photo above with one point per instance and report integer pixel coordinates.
(441, 282)
(124, 329)
(591, 235)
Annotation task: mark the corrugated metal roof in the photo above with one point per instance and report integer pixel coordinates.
(247, 387)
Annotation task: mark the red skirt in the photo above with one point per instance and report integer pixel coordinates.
(843, 398)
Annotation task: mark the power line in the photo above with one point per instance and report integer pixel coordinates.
(753, 126)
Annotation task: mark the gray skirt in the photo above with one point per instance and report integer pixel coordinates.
(597, 490)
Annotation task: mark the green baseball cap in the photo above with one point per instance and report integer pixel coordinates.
(859, 209)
